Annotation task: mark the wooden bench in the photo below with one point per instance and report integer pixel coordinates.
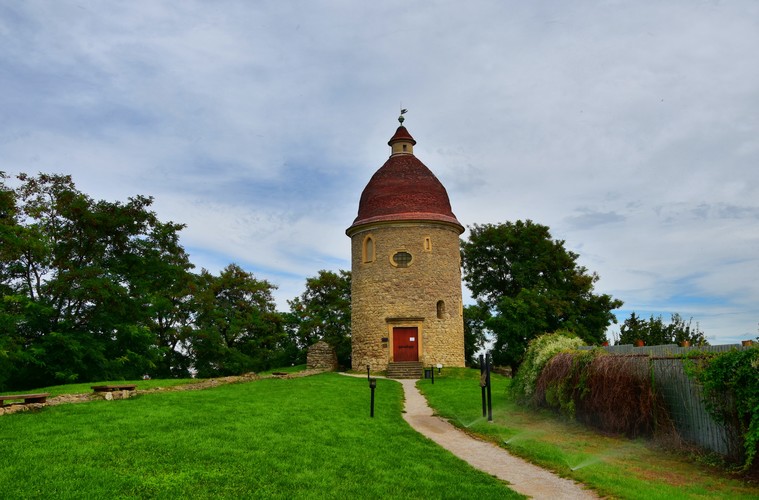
(111, 388)
(28, 398)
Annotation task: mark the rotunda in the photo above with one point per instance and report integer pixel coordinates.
(406, 302)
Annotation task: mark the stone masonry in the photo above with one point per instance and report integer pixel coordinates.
(321, 356)
(384, 296)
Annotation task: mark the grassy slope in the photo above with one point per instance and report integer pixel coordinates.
(612, 465)
(302, 438)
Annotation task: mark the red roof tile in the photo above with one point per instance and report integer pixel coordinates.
(401, 135)
(404, 189)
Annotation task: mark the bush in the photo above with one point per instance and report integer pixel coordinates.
(539, 352)
(731, 393)
(611, 393)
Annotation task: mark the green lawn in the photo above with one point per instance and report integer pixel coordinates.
(309, 437)
(613, 466)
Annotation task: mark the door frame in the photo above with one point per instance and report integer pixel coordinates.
(405, 323)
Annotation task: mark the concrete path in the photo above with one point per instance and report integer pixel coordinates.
(522, 476)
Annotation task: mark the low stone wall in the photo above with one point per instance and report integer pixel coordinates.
(17, 407)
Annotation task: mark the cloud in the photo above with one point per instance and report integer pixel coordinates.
(629, 129)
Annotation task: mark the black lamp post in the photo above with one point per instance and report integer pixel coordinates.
(372, 386)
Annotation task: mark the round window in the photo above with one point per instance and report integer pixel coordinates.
(402, 259)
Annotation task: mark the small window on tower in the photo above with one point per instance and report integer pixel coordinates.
(440, 309)
(404, 147)
(402, 259)
(368, 250)
(427, 244)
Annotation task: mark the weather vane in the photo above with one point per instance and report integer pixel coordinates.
(403, 112)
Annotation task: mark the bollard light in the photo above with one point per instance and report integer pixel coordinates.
(439, 367)
(372, 386)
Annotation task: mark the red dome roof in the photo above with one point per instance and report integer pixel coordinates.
(404, 189)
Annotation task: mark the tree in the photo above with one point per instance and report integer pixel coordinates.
(323, 312)
(76, 282)
(475, 318)
(656, 332)
(237, 328)
(531, 285)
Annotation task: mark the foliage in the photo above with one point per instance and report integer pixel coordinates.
(81, 281)
(612, 393)
(475, 317)
(94, 290)
(731, 392)
(323, 312)
(539, 352)
(532, 285)
(655, 332)
(237, 328)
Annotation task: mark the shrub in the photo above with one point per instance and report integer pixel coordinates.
(611, 393)
(731, 393)
(539, 351)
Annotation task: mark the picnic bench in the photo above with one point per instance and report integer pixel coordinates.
(28, 398)
(111, 388)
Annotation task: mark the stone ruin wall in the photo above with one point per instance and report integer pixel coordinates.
(321, 356)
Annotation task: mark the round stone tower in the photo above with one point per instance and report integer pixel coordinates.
(406, 302)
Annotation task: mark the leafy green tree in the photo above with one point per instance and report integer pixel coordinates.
(475, 318)
(656, 332)
(532, 285)
(237, 328)
(323, 312)
(78, 297)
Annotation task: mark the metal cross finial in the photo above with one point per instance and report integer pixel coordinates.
(403, 112)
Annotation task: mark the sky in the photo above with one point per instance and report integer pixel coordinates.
(631, 129)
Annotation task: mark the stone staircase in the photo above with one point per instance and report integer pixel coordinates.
(405, 369)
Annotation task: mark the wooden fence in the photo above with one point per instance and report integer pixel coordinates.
(684, 396)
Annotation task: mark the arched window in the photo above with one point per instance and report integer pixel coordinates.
(368, 249)
(427, 244)
(440, 309)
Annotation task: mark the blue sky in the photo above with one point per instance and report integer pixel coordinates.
(631, 129)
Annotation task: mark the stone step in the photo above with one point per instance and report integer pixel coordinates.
(405, 369)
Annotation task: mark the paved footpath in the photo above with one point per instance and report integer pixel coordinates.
(523, 477)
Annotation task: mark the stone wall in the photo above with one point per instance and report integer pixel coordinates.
(384, 295)
(321, 356)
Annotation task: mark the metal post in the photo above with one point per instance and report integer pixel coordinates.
(372, 385)
(487, 380)
(432, 371)
(483, 381)
(367, 373)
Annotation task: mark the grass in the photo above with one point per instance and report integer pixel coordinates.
(612, 465)
(308, 437)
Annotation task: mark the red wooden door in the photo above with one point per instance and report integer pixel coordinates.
(405, 342)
